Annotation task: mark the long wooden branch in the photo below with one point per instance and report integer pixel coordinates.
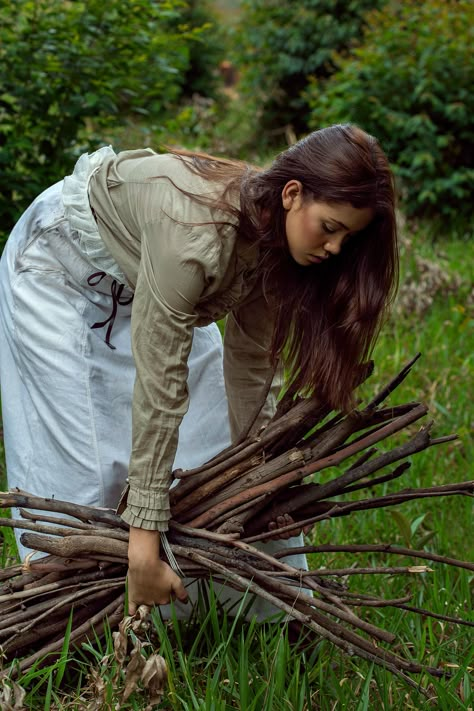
(337, 509)
(86, 514)
(386, 548)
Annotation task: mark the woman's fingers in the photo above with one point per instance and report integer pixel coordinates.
(280, 522)
(179, 591)
(153, 584)
(286, 520)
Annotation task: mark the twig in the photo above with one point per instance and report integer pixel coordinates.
(86, 514)
(342, 572)
(375, 548)
(393, 384)
(113, 611)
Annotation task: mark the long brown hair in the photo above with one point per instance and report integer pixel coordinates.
(327, 316)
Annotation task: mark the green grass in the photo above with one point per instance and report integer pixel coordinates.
(216, 662)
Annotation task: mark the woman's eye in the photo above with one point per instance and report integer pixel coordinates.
(328, 229)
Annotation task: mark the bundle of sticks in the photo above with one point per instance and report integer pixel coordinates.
(219, 511)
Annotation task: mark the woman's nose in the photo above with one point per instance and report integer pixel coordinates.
(333, 245)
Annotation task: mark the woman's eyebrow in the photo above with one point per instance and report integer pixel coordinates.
(331, 219)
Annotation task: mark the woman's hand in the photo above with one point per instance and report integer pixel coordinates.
(151, 581)
(286, 520)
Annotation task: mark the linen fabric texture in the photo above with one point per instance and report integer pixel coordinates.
(185, 271)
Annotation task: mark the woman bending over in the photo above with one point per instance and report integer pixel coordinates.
(111, 284)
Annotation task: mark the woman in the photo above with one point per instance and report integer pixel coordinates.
(300, 257)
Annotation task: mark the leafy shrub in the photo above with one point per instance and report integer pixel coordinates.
(67, 66)
(280, 44)
(206, 52)
(410, 84)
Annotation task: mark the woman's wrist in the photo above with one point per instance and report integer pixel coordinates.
(143, 543)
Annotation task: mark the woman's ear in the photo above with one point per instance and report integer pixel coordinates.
(292, 194)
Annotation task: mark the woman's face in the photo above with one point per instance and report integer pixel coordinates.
(317, 230)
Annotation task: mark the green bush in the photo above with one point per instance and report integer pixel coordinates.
(206, 53)
(70, 69)
(410, 84)
(281, 44)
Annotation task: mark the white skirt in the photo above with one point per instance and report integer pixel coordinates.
(67, 395)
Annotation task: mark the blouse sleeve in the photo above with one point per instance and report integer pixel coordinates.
(247, 364)
(171, 278)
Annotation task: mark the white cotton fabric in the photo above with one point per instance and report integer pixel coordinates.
(78, 212)
(67, 396)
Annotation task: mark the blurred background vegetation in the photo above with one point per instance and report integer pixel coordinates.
(241, 79)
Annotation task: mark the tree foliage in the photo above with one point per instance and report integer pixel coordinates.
(410, 84)
(68, 66)
(206, 51)
(281, 44)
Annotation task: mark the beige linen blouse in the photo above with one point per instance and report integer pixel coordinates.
(185, 272)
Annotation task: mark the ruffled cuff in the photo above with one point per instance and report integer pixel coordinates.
(142, 508)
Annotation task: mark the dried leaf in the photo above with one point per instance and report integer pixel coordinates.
(419, 569)
(121, 640)
(139, 622)
(97, 689)
(11, 695)
(98, 683)
(154, 678)
(133, 672)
